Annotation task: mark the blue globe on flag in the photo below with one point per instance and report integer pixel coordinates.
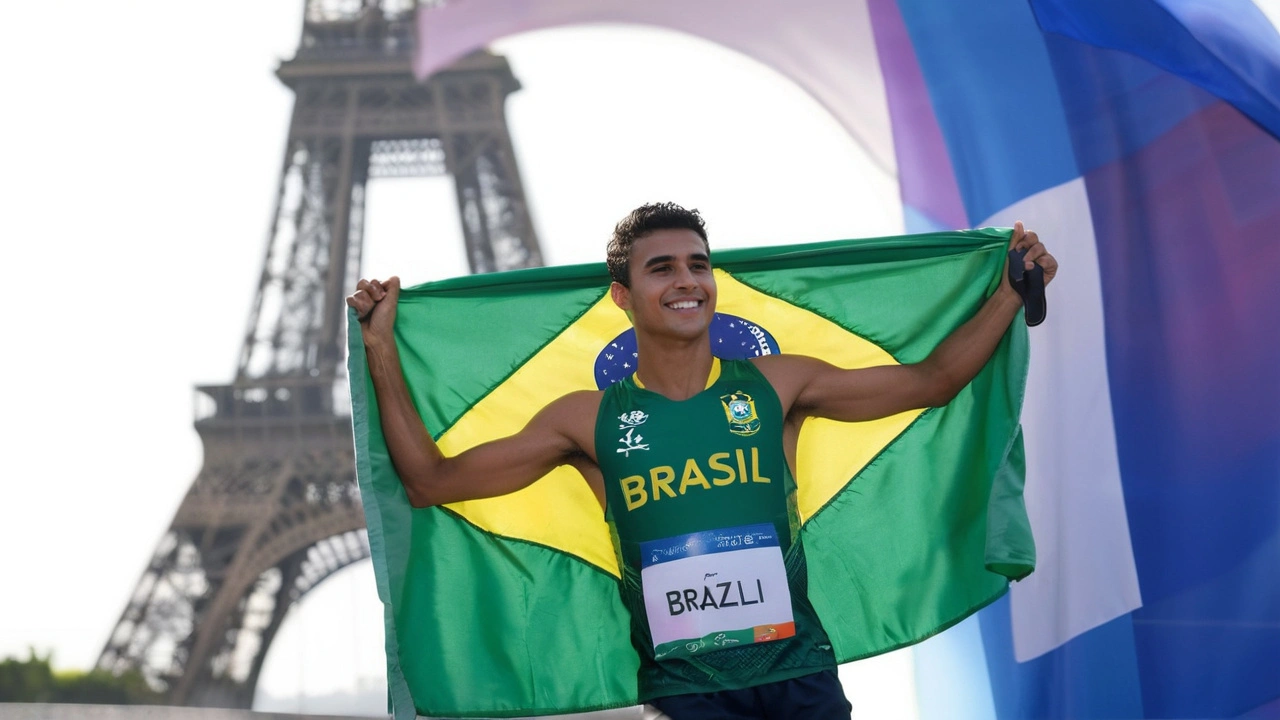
(732, 338)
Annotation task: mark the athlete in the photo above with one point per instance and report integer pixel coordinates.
(692, 460)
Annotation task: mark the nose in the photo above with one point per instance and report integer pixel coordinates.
(684, 277)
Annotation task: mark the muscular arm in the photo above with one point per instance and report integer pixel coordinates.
(555, 436)
(820, 389)
(813, 388)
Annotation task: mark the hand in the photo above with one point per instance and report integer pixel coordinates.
(375, 304)
(1036, 255)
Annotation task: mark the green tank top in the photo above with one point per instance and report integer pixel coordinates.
(702, 508)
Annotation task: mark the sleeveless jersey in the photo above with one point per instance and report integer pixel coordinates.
(702, 509)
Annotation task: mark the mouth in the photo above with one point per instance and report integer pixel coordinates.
(687, 304)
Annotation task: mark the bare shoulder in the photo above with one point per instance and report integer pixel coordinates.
(577, 403)
(788, 374)
(574, 416)
(783, 363)
(787, 368)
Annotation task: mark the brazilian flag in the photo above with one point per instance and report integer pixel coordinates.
(509, 606)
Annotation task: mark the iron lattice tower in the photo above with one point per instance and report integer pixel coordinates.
(275, 509)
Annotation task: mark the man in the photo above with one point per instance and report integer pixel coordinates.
(743, 640)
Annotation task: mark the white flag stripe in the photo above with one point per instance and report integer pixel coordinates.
(1085, 573)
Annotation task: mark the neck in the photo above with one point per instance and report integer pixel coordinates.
(677, 371)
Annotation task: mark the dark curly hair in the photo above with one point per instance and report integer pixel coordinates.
(642, 221)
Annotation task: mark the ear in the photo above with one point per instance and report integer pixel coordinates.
(621, 296)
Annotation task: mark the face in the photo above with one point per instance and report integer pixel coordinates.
(673, 291)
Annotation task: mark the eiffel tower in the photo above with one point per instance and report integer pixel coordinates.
(275, 509)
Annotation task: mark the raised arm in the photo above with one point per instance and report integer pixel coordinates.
(553, 437)
(810, 387)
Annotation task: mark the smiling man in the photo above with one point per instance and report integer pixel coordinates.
(692, 459)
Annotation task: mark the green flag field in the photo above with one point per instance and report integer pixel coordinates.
(509, 606)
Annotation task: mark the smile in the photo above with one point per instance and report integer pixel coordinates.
(684, 304)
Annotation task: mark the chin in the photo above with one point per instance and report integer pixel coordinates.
(690, 332)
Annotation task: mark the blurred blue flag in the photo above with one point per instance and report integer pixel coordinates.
(1147, 130)
(1140, 139)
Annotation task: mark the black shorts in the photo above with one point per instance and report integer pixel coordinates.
(817, 696)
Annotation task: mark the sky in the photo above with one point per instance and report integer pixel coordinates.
(141, 149)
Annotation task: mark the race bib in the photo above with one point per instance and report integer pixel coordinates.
(715, 589)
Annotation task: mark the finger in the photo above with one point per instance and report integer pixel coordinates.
(1028, 246)
(1026, 240)
(391, 288)
(1016, 236)
(362, 303)
(1034, 252)
(1050, 265)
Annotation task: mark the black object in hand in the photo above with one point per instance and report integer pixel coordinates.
(1029, 284)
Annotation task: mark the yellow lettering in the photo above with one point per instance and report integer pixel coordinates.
(633, 491)
(742, 466)
(693, 476)
(729, 476)
(755, 467)
(661, 478)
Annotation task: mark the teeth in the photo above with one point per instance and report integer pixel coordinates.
(684, 305)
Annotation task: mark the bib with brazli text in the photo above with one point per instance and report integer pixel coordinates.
(715, 589)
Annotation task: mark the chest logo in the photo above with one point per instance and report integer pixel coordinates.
(632, 419)
(632, 441)
(740, 410)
